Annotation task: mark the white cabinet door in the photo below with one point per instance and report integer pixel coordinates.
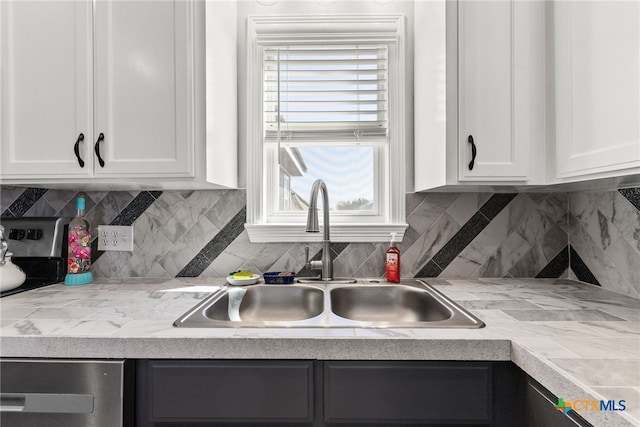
(492, 91)
(144, 88)
(487, 93)
(46, 90)
(597, 60)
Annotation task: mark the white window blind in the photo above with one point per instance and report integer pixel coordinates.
(334, 92)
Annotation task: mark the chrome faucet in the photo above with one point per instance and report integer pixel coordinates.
(326, 264)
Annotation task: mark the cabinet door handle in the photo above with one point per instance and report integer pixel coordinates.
(473, 152)
(97, 149)
(47, 403)
(76, 149)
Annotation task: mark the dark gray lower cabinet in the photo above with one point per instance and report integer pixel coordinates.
(407, 392)
(180, 393)
(540, 409)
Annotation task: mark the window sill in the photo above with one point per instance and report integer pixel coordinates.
(348, 233)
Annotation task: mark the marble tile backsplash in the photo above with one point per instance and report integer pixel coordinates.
(590, 236)
(604, 230)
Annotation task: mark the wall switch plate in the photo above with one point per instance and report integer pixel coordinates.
(115, 238)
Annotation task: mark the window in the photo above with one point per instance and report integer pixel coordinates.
(325, 98)
(325, 116)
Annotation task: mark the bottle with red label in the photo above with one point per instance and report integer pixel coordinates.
(393, 261)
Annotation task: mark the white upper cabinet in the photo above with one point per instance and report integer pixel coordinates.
(431, 84)
(597, 89)
(494, 95)
(126, 79)
(490, 142)
(46, 89)
(144, 88)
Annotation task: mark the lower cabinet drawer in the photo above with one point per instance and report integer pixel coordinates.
(239, 391)
(407, 392)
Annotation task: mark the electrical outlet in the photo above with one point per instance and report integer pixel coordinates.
(115, 238)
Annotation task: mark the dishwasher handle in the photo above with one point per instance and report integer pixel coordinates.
(49, 403)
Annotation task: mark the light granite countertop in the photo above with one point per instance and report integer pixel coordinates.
(577, 340)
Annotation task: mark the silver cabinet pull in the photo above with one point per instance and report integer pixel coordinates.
(50, 403)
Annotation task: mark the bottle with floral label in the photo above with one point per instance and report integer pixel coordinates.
(79, 253)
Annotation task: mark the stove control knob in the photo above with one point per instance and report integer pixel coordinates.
(34, 233)
(16, 234)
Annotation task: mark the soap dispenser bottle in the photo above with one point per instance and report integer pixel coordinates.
(393, 261)
(79, 254)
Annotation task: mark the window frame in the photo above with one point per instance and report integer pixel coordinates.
(287, 29)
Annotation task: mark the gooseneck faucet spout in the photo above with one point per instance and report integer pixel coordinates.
(312, 227)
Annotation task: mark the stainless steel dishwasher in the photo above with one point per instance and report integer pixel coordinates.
(69, 393)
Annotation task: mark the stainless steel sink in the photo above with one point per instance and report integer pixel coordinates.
(267, 303)
(387, 303)
(366, 304)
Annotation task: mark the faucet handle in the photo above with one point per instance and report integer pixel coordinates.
(312, 265)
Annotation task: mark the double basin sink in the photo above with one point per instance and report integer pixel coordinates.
(367, 304)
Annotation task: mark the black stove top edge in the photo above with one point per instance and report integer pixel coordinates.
(28, 285)
(41, 271)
